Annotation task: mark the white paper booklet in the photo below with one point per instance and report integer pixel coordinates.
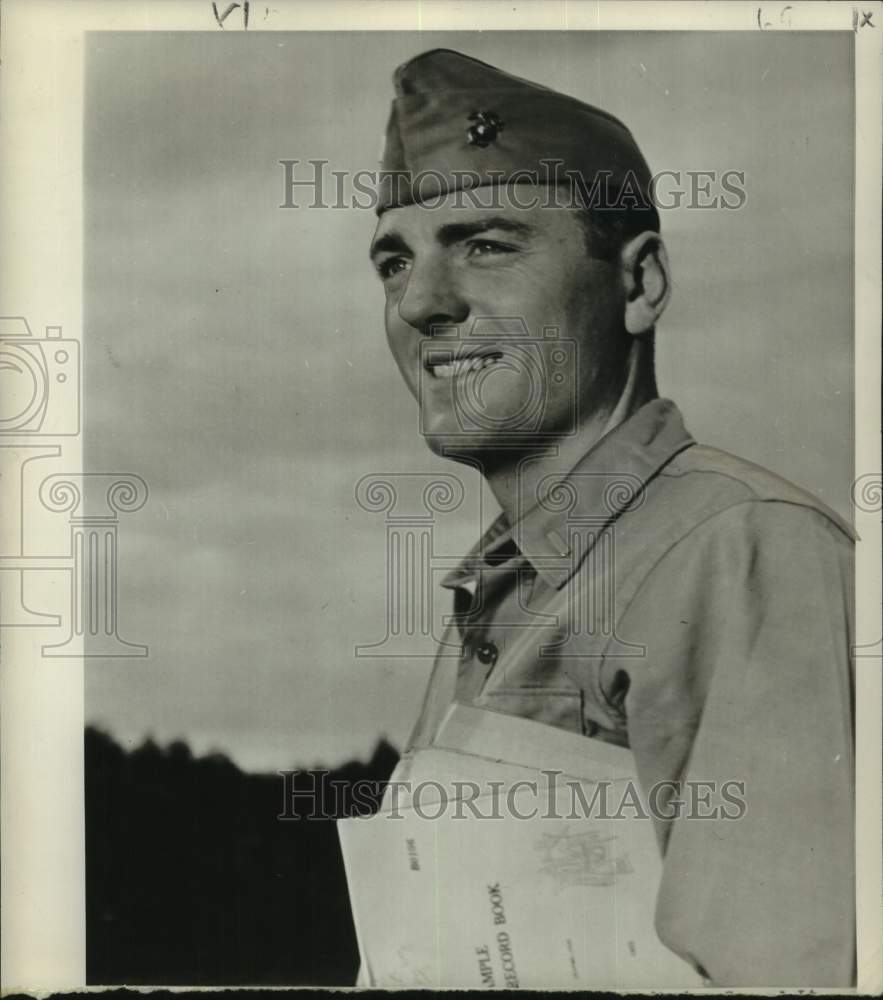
(482, 886)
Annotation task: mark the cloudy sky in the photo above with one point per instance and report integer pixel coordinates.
(235, 357)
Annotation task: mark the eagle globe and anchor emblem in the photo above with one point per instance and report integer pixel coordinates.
(487, 127)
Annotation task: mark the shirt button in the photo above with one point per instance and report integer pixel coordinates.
(487, 653)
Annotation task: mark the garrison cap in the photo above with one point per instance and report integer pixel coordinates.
(454, 117)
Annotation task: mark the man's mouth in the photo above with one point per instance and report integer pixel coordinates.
(442, 364)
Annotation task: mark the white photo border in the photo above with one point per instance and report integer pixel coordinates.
(43, 45)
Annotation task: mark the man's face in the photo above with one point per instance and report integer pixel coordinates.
(504, 328)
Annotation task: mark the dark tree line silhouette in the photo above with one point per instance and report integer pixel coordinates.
(192, 879)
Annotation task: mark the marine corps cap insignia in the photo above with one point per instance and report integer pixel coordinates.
(486, 128)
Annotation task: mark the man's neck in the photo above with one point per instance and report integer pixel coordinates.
(519, 484)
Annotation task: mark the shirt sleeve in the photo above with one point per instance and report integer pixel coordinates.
(747, 679)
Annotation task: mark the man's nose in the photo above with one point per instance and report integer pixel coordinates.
(432, 298)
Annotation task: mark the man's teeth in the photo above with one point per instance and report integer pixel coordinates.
(463, 365)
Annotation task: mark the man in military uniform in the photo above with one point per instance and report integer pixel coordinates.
(638, 587)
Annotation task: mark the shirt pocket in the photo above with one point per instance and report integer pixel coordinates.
(560, 707)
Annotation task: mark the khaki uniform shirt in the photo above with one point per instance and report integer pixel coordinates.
(677, 600)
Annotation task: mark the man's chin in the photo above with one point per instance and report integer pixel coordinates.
(451, 444)
(461, 446)
(484, 450)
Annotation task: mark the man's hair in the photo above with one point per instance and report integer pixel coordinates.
(605, 233)
(607, 230)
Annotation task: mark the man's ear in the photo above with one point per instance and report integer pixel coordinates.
(646, 280)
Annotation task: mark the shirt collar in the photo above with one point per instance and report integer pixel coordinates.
(609, 479)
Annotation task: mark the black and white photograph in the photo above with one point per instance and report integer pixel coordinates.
(444, 504)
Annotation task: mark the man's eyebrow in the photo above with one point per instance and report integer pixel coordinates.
(391, 242)
(451, 233)
(456, 231)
